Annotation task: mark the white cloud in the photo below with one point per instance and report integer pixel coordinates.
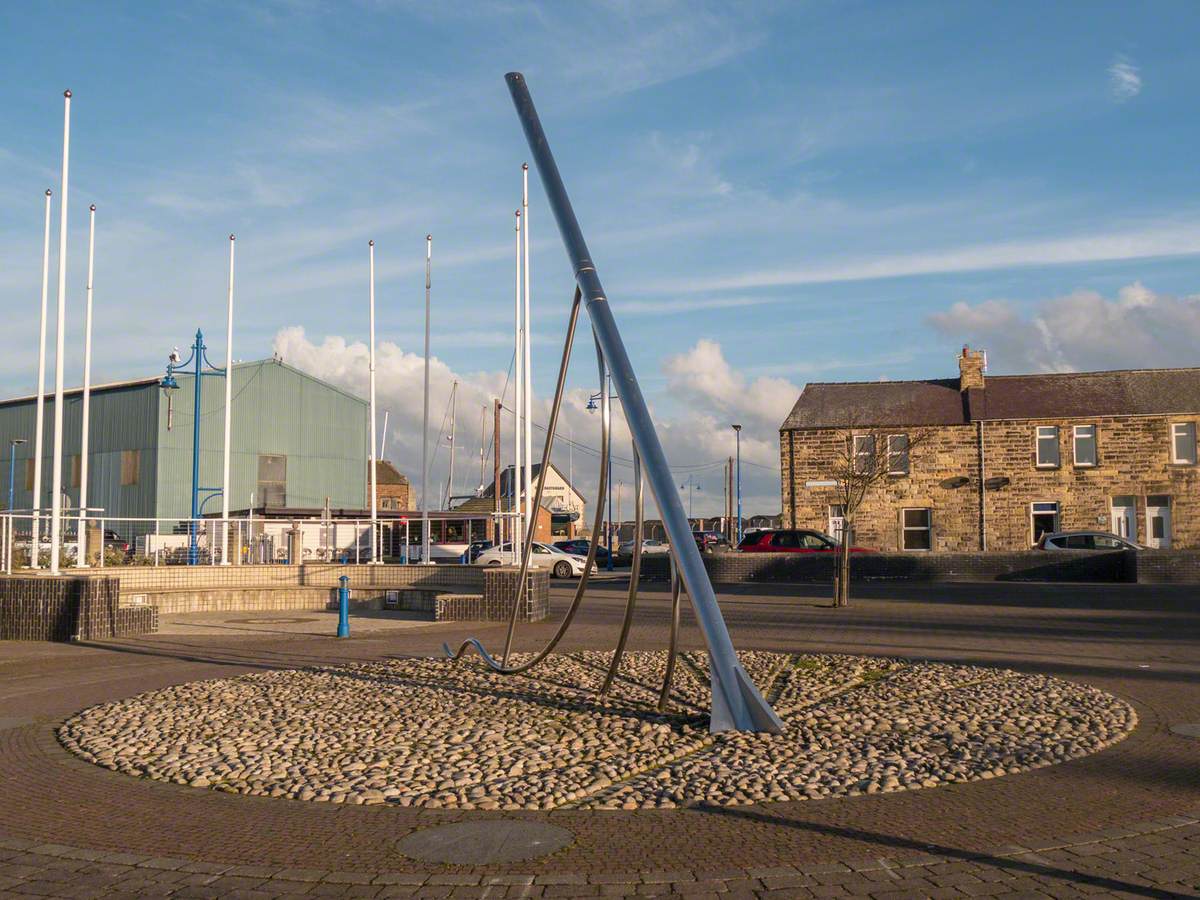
(1167, 239)
(1124, 79)
(696, 441)
(703, 375)
(1082, 331)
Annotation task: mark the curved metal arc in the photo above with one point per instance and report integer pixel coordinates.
(527, 550)
(580, 589)
(673, 645)
(635, 568)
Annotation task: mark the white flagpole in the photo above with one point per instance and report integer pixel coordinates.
(228, 412)
(84, 427)
(371, 366)
(527, 383)
(425, 560)
(35, 535)
(56, 464)
(518, 536)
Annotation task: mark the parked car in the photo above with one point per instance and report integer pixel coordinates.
(579, 547)
(561, 565)
(791, 540)
(708, 541)
(650, 547)
(478, 547)
(1084, 540)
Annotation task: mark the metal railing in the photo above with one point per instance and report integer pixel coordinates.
(95, 540)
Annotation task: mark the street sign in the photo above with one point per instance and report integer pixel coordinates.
(811, 484)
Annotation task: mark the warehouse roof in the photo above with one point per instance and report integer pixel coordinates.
(1126, 392)
(141, 382)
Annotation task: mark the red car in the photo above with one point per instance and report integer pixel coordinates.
(791, 541)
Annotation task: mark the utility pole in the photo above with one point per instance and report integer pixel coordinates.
(737, 430)
(35, 535)
(496, 467)
(425, 421)
(228, 416)
(453, 416)
(527, 382)
(85, 420)
(518, 406)
(372, 462)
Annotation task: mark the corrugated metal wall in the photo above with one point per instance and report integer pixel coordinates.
(121, 419)
(276, 410)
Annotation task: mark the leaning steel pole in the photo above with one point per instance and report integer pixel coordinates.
(736, 702)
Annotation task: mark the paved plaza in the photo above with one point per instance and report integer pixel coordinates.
(1123, 820)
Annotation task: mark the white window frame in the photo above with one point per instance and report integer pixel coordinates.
(870, 455)
(891, 454)
(1075, 430)
(1183, 427)
(1057, 517)
(1037, 447)
(928, 529)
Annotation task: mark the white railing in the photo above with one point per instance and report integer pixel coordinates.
(96, 540)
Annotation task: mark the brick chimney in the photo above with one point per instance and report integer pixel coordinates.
(970, 369)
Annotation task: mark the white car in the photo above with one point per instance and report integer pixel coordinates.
(560, 564)
(650, 547)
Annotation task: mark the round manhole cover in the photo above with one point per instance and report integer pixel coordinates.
(291, 621)
(483, 842)
(1187, 729)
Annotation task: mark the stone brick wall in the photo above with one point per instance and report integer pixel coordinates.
(1133, 459)
(499, 588)
(39, 608)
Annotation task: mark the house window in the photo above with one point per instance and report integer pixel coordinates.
(1047, 446)
(916, 532)
(1085, 445)
(864, 454)
(130, 464)
(1043, 519)
(897, 454)
(272, 481)
(1183, 443)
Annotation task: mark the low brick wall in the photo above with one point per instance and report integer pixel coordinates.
(740, 568)
(1165, 567)
(41, 608)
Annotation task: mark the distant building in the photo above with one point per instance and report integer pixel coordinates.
(393, 491)
(562, 509)
(297, 442)
(1006, 459)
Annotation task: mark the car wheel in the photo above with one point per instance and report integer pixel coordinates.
(494, 562)
(562, 569)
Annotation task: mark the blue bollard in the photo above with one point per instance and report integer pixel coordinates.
(344, 607)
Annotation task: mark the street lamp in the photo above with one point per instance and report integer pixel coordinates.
(737, 430)
(198, 360)
(592, 407)
(12, 467)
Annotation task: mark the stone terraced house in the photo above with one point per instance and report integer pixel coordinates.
(1005, 458)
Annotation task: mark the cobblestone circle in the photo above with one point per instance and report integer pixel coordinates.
(435, 734)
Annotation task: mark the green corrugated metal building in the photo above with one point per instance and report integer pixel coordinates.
(296, 440)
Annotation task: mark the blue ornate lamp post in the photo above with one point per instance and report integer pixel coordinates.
(200, 367)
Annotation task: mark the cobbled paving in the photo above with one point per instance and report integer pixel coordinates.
(435, 734)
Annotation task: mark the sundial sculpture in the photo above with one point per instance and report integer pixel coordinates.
(737, 703)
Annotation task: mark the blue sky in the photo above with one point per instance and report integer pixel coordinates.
(774, 193)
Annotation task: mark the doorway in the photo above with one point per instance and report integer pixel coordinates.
(1124, 517)
(1158, 521)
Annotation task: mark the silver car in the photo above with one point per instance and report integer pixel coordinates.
(1085, 540)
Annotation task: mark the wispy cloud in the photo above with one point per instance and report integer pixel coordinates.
(1179, 239)
(1124, 79)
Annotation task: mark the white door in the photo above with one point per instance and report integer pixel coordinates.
(1158, 522)
(1124, 517)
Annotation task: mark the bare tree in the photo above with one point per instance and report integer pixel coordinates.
(865, 457)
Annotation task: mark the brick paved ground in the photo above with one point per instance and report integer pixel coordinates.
(1123, 822)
